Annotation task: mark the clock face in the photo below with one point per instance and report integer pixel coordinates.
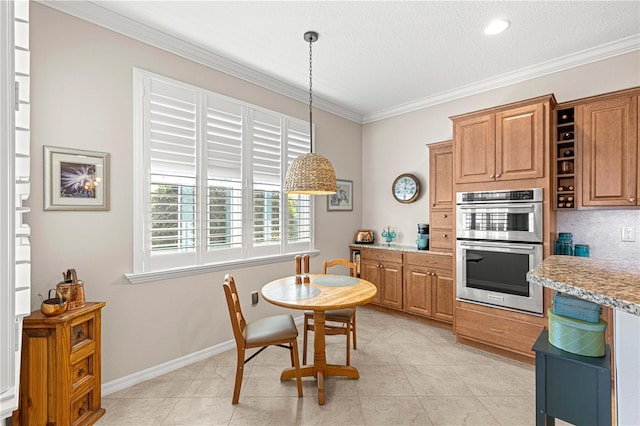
(406, 188)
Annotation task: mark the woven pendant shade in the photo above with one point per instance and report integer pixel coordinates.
(311, 174)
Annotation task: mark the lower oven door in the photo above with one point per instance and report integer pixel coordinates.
(494, 273)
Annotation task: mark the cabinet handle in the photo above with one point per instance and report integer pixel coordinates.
(79, 334)
(632, 200)
(433, 273)
(495, 330)
(80, 372)
(444, 215)
(444, 235)
(433, 205)
(498, 175)
(81, 410)
(492, 176)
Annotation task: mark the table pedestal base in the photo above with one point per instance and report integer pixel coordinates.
(329, 370)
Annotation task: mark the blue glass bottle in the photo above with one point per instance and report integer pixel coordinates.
(564, 244)
(582, 250)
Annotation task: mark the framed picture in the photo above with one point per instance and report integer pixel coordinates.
(342, 200)
(75, 179)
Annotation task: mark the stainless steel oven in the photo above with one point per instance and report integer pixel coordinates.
(499, 239)
(500, 215)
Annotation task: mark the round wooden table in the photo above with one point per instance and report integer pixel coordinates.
(324, 292)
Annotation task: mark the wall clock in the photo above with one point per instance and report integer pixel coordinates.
(406, 188)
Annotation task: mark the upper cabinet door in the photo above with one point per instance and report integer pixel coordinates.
(475, 149)
(440, 174)
(610, 152)
(520, 143)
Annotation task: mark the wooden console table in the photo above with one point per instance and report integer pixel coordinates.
(60, 372)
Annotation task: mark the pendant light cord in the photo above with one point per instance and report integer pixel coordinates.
(311, 40)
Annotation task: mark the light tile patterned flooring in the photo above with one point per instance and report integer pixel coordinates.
(410, 373)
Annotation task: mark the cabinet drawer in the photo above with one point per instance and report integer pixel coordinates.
(441, 239)
(386, 255)
(81, 333)
(441, 219)
(429, 260)
(81, 408)
(82, 371)
(497, 330)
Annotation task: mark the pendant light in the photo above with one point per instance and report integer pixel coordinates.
(311, 174)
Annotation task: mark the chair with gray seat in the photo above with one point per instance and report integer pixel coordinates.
(276, 330)
(344, 320)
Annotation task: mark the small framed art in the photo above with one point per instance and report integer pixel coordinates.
(343, 199)
(75, 179)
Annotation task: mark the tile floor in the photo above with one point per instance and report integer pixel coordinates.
(410, 373)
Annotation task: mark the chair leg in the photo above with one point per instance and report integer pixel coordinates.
(304, 341)
(291, 355)
(353, 329)
(296, 365)
(239, 373)
(348, 324)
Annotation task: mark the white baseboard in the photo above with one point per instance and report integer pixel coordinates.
(164, 368)
(169, 366)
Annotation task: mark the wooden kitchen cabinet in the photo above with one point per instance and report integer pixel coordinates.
(60, 379)
(564, 154)
(383, 268)
(501, 144)
(609, 150)
(441, 200)
(429, 286)
(497, 329)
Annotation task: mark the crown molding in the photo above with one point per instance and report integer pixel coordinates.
(96, 14)
(91, 12)
(584, 57)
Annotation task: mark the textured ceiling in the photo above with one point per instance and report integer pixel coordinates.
(374, 58)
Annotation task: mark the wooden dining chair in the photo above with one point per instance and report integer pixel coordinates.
(276, 330)
(339, 321)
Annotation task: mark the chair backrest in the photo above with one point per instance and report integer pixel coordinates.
(238, 323)
(341, 262)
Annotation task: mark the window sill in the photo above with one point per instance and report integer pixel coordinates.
(145, 277)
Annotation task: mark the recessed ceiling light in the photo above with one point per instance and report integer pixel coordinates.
(497, 26)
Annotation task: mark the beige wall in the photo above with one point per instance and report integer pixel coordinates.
(81, 98)
(398, 145)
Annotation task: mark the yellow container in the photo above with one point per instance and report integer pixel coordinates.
(576, 336)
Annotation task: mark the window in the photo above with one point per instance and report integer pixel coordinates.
(208, 190)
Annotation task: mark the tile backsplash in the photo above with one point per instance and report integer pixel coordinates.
(602, 231)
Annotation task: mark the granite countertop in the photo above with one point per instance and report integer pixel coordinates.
(397, 247)
(608, 282)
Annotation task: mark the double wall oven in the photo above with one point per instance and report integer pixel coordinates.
(499, 239)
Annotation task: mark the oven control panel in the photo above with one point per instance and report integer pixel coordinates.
(530, 195)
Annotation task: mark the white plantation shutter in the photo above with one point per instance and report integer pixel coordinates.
(15, 181)
(299, 218)
(224, 132)
(172, 145)
(224, 139)
(266, 157)
(210, 189)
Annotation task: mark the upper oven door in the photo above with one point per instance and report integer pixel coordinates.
(503, 222)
